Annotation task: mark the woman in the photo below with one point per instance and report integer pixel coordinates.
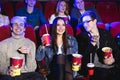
(91, 42)
(58, 54)
(4, 20)
(61, 11)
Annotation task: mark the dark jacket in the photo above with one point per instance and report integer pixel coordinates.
(85, 48)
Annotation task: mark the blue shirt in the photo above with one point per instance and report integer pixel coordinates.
(36, 18)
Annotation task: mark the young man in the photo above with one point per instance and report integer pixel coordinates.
(18, 46)
(90, 42)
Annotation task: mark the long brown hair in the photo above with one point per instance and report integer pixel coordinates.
(54, 35)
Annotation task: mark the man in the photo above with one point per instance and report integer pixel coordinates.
(18, 46)
(91, 42)
(34, 15)
(76, 12)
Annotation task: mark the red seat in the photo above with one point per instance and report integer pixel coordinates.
(115, 28)
(108, 11)
(49, 9)
(102, 26)
(8, 8)
(30, 33)
(69, 29)
(89, 4)
(5, 32)
(22, 4)
(42, 29)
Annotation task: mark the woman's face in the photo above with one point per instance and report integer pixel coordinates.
(62, 6)
(60, 27)
(79, 4)
(88, 23)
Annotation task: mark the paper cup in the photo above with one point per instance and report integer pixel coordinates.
(107, 52)
(46, 38)
(76, 62)
(90, 67)
(16, 62)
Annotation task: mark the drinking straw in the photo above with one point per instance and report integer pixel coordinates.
(90, 57)
(46, 28)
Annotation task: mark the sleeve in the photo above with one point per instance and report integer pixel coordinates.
(52, 17)
(19, 12)
(31, 62)
(40, 53)
(42, 17)
(75, 44)
(4, 61)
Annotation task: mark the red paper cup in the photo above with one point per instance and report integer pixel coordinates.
(16, 62)
(90, 68)
(46, 38)
(107, 52)
(77, 58)
(76, 62)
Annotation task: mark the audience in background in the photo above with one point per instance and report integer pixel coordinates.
(4, 20)
(58, 54)
(76, 12)
(90, 42)
(18, 46)
(61, 11)
(35, 16)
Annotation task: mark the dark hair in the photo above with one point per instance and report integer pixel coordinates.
(88, 13)
(54, 35)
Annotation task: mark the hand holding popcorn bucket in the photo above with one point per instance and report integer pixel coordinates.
(16, 62)
(107, 52)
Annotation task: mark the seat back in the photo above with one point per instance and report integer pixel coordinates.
(115, 29)
(89, 4)
(5, 32)
(8, 8)
(43, 29)
(30, 33)
(69, 29)
(105, 10)
(49, 9)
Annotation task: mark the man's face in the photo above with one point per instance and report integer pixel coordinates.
(88, 23)
(18, 28)
(31, 3)
(79, 4)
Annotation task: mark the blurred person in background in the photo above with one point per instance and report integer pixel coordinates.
(35, 16)
(4, 20)
(61, 11)
(76, 12)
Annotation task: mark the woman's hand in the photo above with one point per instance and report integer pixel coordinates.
(109, 61)
(24, 50)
